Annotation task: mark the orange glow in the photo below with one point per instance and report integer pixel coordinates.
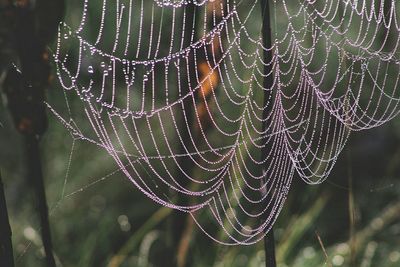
(209, 78)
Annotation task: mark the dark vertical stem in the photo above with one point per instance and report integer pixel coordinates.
(6, 250)
(36, 178)
(34, 26)
(269, 240)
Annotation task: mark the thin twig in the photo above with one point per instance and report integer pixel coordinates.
(323, 249)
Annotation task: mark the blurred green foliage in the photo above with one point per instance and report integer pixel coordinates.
(99, 219)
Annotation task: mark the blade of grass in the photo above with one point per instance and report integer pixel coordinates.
(352, 217)
(299, 227)
(136, 238)
(327, 260)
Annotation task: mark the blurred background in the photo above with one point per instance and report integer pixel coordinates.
(98, 218)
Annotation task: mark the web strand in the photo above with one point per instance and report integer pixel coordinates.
(334, 67)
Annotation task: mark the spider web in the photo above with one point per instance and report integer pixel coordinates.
(173, 91)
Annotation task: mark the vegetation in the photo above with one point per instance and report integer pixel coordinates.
(98, 218)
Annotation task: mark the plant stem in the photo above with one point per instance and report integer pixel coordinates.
(269, 240)
(6, 250)
(36, 178)
(34, 25)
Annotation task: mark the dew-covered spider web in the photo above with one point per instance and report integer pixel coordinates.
(173, 91)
